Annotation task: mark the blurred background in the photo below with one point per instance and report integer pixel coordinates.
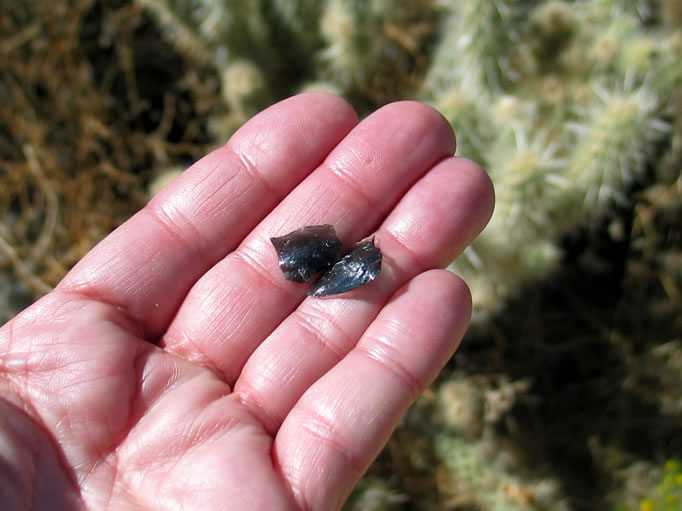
(567, 392)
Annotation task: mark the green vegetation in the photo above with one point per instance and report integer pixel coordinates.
(667, 495)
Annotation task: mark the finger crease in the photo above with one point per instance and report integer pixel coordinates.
(323, 430)
(414, 260)
(245, 255)
(165, 221)
(384, 354)
(344, 178)
(248, 397)
(323, 340)
(251, 169)
(191, 350)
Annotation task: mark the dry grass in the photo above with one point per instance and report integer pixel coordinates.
(93, 105)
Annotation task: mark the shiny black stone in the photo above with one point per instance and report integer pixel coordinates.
(307, 251)
(360, 266)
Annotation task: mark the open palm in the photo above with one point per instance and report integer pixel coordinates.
(175, 367)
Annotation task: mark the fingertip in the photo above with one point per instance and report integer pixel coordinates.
(431, 120)
(326, 100)
(314, 113)
(311, 108)
(440, 216)
(459, 294)
(448, 296)
(479, 185)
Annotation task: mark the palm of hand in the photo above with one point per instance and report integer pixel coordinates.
(140, 426)
(174, 368)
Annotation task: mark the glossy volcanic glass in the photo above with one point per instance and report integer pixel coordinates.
(358, 267)
(309, 250)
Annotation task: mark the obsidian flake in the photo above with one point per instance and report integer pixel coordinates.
(360, 266)
(307, 251)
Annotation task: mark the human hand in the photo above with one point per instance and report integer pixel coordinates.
(175, 368)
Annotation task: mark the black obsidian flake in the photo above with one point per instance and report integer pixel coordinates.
(360, 266)
(307, 251)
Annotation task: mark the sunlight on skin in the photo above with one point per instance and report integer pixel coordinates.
(175, 368)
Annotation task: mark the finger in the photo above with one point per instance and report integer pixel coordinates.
(148, 264)
(244, 297)
(338, 427)
(436, 219)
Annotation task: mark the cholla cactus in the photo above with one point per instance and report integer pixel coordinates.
(481, 475)
(474, 50)
(564, 109)
(614, 140)
(234, 39)
(464, 109)
(244, 88)
(480, 469)
(371, 44)
(214, 31)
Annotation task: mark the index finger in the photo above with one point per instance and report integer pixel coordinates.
(149, 263)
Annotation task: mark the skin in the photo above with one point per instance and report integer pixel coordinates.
(175, 368)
